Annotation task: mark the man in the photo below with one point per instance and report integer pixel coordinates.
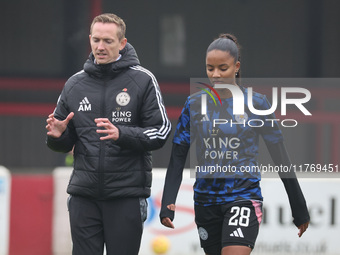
(112, 112)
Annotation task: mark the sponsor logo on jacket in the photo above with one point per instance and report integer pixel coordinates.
(121, 116)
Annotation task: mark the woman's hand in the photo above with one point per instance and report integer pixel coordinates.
(302, 228)
(166, 221)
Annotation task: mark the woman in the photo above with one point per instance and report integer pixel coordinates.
(228, 204)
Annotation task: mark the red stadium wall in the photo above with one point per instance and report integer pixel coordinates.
(31, 215)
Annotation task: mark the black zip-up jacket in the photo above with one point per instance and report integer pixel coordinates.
(129, 96)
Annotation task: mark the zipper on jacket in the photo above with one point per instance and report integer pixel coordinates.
(101, 165)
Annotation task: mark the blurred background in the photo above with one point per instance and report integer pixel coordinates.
(45, 42)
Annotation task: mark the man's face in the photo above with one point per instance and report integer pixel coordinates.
(105, 43)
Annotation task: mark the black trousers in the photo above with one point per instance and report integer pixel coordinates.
(118, 223)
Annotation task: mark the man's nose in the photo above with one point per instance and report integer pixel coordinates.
(100, 45)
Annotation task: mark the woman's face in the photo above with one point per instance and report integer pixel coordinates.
(221, 67)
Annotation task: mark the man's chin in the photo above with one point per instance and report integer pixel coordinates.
(101, 61)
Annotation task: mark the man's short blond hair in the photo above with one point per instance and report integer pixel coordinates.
(111, 18)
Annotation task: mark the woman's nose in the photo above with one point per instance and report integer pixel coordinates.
(216, 74)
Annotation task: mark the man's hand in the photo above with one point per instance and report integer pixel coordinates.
(166, 221)
(55, 128)
(302, 228)
(109, 129)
